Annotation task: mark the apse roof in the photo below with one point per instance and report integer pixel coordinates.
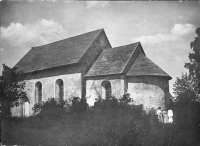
(144, 66)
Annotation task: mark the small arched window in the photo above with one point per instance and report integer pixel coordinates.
(59, 89)
(106, 89)
(38, 92)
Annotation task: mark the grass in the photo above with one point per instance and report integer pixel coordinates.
(112, 126)
(93, 128)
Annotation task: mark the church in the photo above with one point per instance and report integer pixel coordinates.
(87, 66)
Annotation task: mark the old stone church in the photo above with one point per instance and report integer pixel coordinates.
(87, 66)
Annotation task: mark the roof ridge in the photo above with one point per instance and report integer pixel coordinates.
(100, 30)
(126, 45)
(67, 38)
(119, 47)
(130, 57)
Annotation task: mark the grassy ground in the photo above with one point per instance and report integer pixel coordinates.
(93, 128)
(117, 126)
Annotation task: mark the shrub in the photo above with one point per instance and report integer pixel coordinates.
(78, 105)
(113, 102)
(125, 99)
(50, 109)
(109, 122)
(53, 108)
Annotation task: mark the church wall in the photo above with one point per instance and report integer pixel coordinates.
(21, 110)
(94, 88)
(92, 53)
(71, 76)
(17, 111)
(72, 87)
(56, 71)
(151, 91)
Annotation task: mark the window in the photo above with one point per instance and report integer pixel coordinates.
(59, 89)
(38, 92)
(106, 89)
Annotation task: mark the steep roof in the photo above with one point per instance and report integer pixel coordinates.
(67, 51)
(112, 60)
(144, 66)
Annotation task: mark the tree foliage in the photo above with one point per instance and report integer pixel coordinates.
(183, 88)
(11, 89)
(188, 86)
(187, 91)
(194, 64)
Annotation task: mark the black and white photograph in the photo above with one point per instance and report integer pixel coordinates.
(105, 73)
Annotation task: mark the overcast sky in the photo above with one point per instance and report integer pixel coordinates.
(165, 29)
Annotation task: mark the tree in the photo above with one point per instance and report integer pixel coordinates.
(183, 89)
(187, 91)
(194, 64)
(188, 86)
(11, 89)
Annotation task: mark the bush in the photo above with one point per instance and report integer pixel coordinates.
(50, 109)
(78, 105)
(54, 109)
(109, 122)
(125, 99)
(113, 102)
(187, 118)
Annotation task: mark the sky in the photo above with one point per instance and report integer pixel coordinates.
(164, 28)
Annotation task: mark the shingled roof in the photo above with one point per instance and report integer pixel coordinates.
(144, 66)
(67, 51)
(112, 60)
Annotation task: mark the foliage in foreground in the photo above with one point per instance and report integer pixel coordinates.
(187, 91)
(109, 122)
(194, 65)
(11, 90)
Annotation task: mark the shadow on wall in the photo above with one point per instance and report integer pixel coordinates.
(151, 91)
(161, 82)
(51, 72)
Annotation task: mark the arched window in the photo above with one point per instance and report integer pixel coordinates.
(106, 89)
(38, 92)
(59, 89)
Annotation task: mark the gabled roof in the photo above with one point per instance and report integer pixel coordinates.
(64, 52)
(112, 60)
(144, 66)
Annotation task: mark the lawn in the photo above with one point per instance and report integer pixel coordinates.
(114, 125)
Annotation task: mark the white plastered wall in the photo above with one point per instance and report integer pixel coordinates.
(72, 88)
(148, 91)
(94, 89)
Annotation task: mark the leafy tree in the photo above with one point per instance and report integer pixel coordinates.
(187, 91)
(188, 86)
(11, 89)
(194, 64)
(183, 89)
